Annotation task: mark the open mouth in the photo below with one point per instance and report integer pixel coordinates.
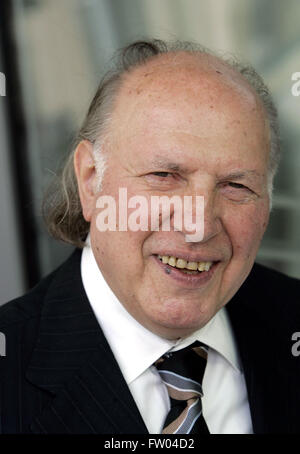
(186, 267)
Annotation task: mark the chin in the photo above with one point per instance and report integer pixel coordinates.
(175, 325)
(174, 332)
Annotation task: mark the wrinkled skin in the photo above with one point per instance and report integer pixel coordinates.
(200, 123)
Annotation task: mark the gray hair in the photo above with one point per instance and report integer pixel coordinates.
(61, 207)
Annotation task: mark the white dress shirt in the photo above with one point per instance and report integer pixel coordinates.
(225, 403)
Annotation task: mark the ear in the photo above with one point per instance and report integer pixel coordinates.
(85, 171)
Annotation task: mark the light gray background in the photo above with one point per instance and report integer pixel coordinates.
(64, 47)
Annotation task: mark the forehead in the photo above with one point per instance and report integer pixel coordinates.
(183, 99)
(178, 81)
(199, 74)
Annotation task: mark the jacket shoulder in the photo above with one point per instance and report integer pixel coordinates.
(273, 284)
(263, 271)
(29, 306)
(269, 300)
(25, 307)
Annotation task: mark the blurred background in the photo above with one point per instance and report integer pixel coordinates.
(53, 53)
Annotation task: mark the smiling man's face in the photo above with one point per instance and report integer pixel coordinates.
(186, 126)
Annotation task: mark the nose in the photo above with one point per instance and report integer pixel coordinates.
(212, 217)
(201, 217)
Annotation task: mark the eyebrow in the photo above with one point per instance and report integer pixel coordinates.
(168, 165)
(161, 163)
(240, 174)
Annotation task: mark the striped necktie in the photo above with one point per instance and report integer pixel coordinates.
(182, 372)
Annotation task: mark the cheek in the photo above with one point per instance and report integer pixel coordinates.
(246, 231)
(118, 249)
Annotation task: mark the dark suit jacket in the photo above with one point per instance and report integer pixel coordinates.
(59, 374)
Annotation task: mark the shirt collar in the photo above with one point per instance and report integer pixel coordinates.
(218, 335)
(135, 347)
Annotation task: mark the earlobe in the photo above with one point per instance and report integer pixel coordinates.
(85, 171)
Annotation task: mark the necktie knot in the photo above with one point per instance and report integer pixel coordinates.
(189, 362)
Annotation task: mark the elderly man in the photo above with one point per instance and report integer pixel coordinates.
(146, 330)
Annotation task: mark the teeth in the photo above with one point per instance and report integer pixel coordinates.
(183, 264)
(207, 266)
(172, 261)
(192, 266)
(201, 266)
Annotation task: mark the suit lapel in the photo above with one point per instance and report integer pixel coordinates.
(86, 392)
(73, 363)
(253, 317)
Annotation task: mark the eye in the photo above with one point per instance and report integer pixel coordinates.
(237, 192)
(237, 185)
(163, 179)
(162, 174)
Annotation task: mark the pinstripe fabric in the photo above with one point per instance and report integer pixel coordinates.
(182, 373)
(60, 376)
